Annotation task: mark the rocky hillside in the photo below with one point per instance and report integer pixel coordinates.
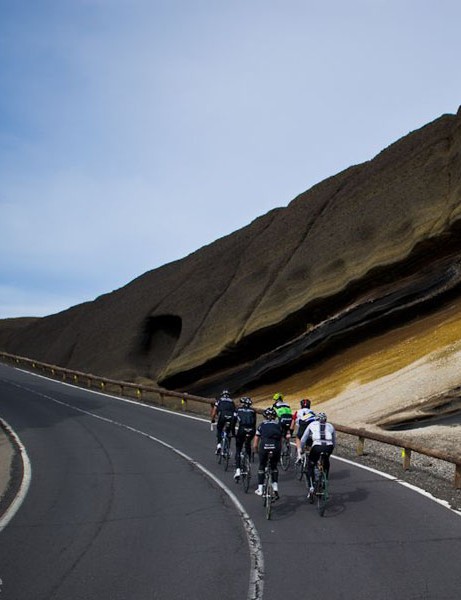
(368, 252)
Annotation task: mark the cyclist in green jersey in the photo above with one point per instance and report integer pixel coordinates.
(284, 413)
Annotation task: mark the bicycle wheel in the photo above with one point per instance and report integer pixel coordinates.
(226, 452)
(246, 472)
(285, 457)
(322, 493)
(268, 498)
(299, 468)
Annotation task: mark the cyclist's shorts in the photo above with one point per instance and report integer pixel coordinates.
(285, 424)
(268, 447)
(247, 431)
(301, 429)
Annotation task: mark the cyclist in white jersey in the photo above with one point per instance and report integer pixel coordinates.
(320, 436)
(301, 419)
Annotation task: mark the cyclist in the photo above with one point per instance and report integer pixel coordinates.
(320, 436)
(246, 422)
(268, 437)
(301, 419)
(284, 413)
(224, 411)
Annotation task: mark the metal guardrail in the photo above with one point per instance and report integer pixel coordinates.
(185, 401)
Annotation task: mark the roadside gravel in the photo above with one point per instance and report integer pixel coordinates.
(430, 474)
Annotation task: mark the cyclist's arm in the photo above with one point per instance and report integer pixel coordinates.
(306, 438)
(256, 441)
(214, 410)
(333, 435)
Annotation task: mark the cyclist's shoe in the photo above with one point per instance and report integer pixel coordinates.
(299, 460)
(311, 493)
(258, 492)
(218, 449)
(237, 475)
(276, 495)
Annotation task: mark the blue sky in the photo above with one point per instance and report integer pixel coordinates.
(133, 132)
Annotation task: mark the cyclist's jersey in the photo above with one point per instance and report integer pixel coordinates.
(304, 415)
(225, 407)
(319, 434)
(270, 434)
(246, 418)
(284, 414)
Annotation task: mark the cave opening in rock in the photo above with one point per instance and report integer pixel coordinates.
(157, 342)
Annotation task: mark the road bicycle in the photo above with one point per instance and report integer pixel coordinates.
(320, 485)
(225, 452)
(285, 455)
(269, 494)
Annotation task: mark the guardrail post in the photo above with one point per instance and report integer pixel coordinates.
(406, 455)
(122, 387)
(457, 481)
(360, 445)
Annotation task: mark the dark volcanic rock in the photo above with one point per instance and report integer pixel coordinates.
(363, 251)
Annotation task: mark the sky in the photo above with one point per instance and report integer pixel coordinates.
(134, 132)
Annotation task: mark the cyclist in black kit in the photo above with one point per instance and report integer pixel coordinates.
(246, 422)
(224, 411)
(269, 438)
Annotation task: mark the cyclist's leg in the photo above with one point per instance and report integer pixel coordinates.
(263, 457)
(299, 434)
(311, 461)
(239, 440)
(275, 474)
(248, 442)
(326, 460)
(219, 428)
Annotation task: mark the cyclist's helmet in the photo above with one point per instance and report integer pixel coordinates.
(225, 394)
(269, 413)
(246, 401)
(321, 417)
(276, 397)
(305, 403)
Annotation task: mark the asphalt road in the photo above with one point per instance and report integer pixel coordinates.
(115, 511)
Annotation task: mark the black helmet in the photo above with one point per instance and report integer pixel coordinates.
(269, 413)
(321, 417)
(225, 394)
(246, 401)
(305, 403)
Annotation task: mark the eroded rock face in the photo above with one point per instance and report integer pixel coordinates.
(358, 253)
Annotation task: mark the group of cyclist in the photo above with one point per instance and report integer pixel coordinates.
(313, 432)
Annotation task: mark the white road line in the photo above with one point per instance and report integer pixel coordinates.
(256, 584)
(24, 487)
(412, 487)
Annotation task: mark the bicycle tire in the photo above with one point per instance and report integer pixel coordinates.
(246, 472)
(322, 494)
(285, 457)
(299, 469)
(268, 501)
(226, 452)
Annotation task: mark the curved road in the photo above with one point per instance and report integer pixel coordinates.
(118, 509)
